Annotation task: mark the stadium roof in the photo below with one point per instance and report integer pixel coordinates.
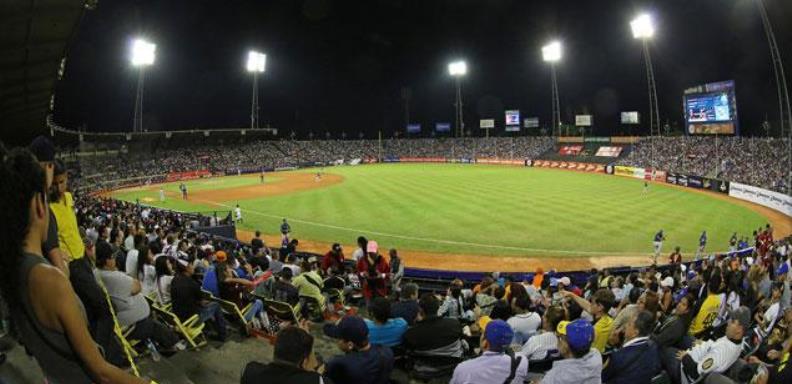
(34, 36)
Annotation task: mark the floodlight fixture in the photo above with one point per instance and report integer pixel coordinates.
(256, 62)
(143, 53)
(552, 52)
(457, 68)
(643, 26)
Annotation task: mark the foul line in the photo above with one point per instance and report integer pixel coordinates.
(424, 239)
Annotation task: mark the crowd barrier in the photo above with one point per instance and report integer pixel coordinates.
(177, 176)
(770, 199)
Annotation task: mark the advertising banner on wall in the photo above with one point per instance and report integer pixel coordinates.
(443, 127)
(413, 128)
(570, 165)
(531, 122)
(774, 200)
(583, 120)
(513, 117)
(487, 123)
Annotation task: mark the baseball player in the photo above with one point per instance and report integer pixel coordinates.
(702, 245)
(162, 194)
(238, 213)
(659, 237)
(646, 187)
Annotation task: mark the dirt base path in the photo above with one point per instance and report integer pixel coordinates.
(289, 182)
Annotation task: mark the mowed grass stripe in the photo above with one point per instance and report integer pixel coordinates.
(508, 206)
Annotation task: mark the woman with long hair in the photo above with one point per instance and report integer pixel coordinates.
(49, 319)
(164, 269)
(146, 273)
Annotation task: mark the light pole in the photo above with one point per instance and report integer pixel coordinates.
(643, 29)
(781, 87)
(256, 64)
(143, 54)
(551, 53)
(458, 69)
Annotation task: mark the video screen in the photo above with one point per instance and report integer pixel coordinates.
(630, 118)
(513, 117)
(711, 109)
(708, 108)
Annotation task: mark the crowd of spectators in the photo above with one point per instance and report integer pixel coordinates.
(762, 162)
(75, 270)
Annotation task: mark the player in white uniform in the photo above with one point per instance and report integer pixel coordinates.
(162, 194)
(238, 213)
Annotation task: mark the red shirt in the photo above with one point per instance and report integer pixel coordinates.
(331, 260)
(374, 282)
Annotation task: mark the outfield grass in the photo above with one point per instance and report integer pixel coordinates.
(490, 210)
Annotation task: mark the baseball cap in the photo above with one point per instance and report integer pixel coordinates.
(221, 256)
(499, 334)
(350, 328)
(667, 282)
(43, 149)
(579, 333)
(372, 246)
(565, 280)
(782, 269)
(743, 315)
(553, 282)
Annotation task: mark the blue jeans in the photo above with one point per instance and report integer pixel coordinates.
(255, 310)
(213, 311)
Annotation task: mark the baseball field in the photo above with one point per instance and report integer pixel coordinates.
(473, 217)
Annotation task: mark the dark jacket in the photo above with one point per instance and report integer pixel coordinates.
(634, 364)
(432, 333)
(256, 373)
(670, 331)
(407, 310)
(97, 311)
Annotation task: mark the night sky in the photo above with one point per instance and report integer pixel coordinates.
(344, 66)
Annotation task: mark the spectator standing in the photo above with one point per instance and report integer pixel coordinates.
(62, 207)
(396, 270)
(333, 259)
(362, 242)
(49, 321)
(374, 272)
(44, 152)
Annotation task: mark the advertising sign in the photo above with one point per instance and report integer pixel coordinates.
(487, 123)
(531, 122)
(583, 120)
(513, 117)
(443, 127)
(413, 128)
(630, 117)
(774, 200)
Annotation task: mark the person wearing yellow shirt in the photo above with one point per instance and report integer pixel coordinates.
(600, 303)
(62, 206)
(709, 308)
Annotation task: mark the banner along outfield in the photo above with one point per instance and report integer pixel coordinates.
(474, 217)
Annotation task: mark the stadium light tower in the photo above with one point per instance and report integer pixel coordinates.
(256, 64)
(142, 56)
(643, 28)
(551, 53)
(458, 69)
(784, 107)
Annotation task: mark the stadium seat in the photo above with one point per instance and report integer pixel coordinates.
(281, 310)
(191, 329)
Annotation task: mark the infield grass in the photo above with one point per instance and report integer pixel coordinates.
(480, 209)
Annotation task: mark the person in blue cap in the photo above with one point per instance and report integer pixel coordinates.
(581, 364)
(362, 362)
(496, 364)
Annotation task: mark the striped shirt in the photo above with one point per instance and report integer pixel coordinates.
(540, 346)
